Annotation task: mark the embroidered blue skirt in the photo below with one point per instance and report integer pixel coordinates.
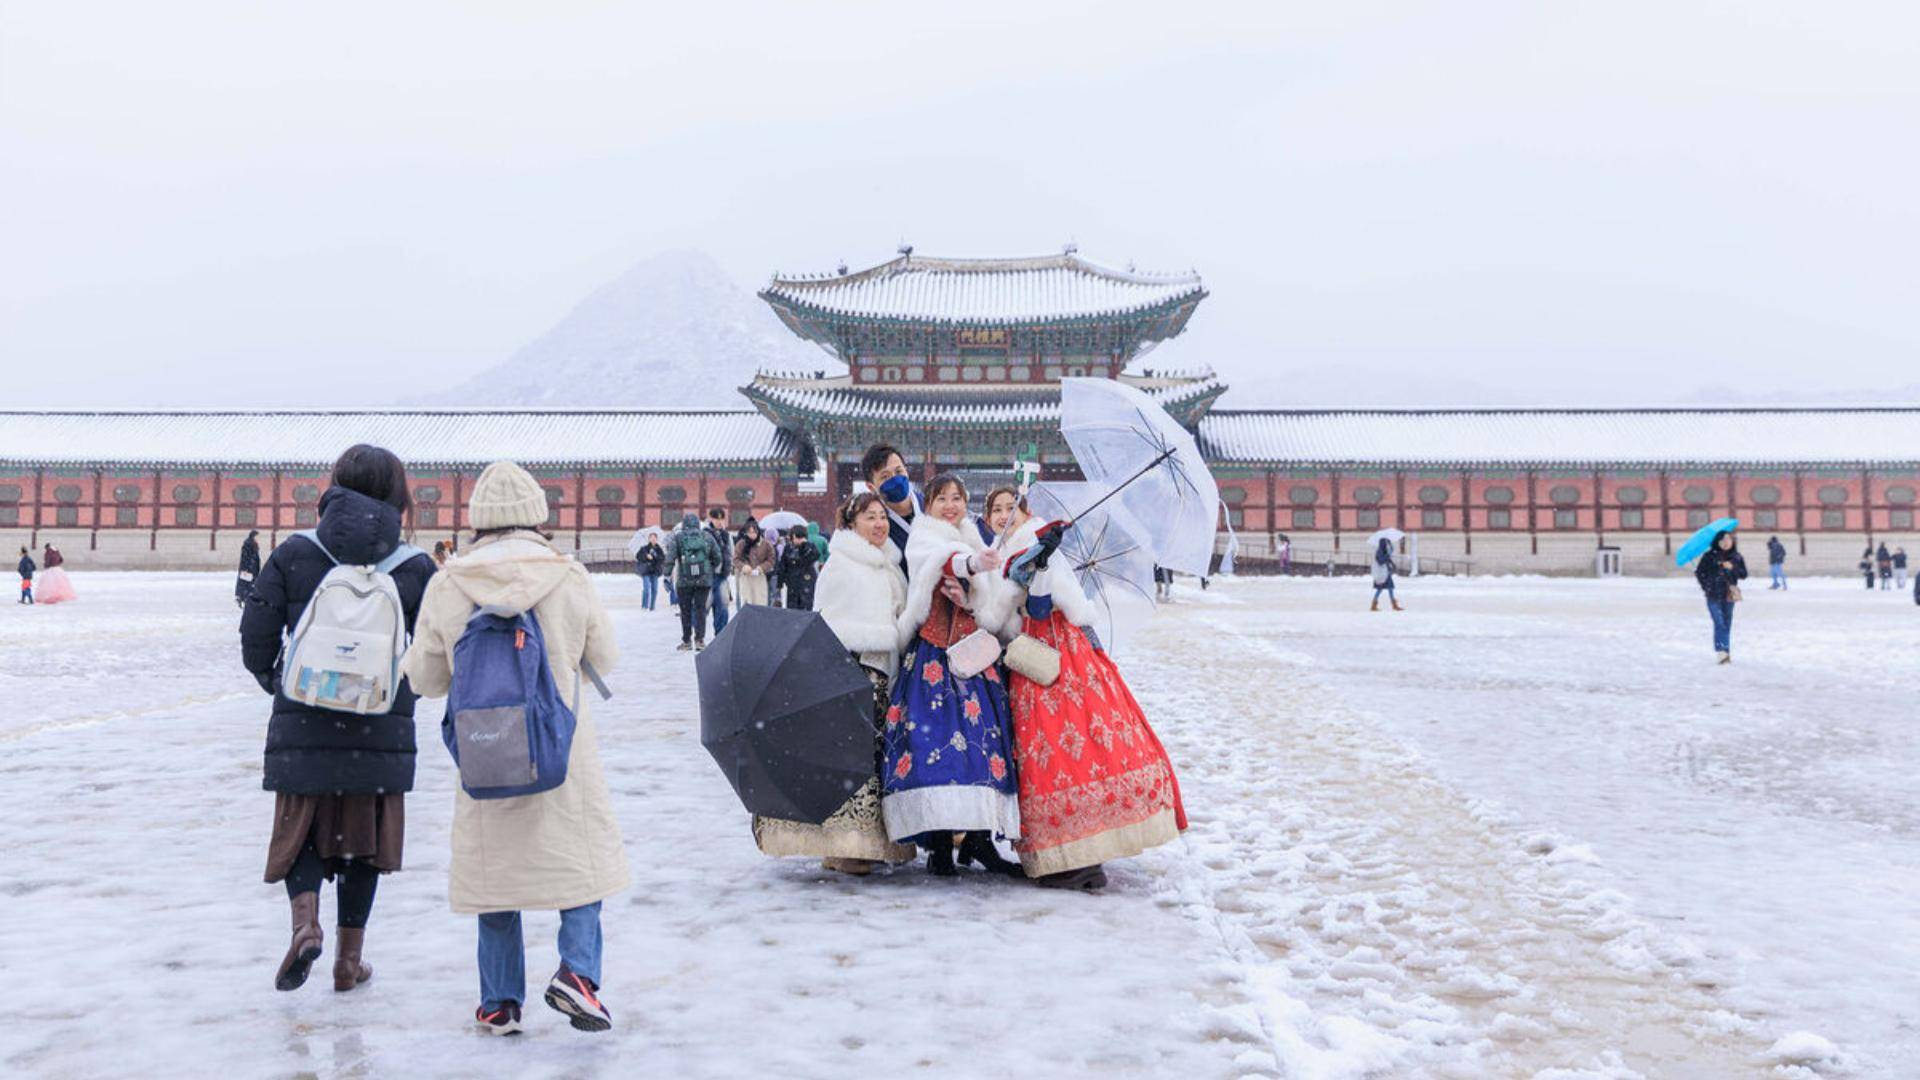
(947, 758)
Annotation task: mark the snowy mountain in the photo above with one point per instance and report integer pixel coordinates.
(673, 330)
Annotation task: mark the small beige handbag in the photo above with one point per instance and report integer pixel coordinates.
(973, 654)
(1034, 658)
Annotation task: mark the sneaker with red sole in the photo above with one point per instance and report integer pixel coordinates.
(578, 999)
(504, 1020)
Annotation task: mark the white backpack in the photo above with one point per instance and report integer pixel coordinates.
(345, 652)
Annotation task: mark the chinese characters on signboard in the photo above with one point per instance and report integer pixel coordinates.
(982, 341)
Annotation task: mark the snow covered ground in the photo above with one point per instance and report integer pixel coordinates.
(1525, 828)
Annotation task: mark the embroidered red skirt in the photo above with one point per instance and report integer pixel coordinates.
(1095, 783)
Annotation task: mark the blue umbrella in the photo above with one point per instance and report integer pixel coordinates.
(1699, 542)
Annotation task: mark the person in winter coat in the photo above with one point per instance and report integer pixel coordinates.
(26, 568)
(1777, 562)
(649, 563)
(947, 766)
(752, 559)
(1383, 574)
(1866, 565)
(339, 780)
(54, 587)
(862, 595)
(1884, 559)
(1112, 794)
(798, 569)
(558, 850)
(692, 559)
(997, 512)
(1719, 573)
(1899, 568)
(249, 567)
(722, 581)
(886, 472)
(1285, 550)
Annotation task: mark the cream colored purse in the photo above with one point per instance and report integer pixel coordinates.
(973, 654)
(1034, 658)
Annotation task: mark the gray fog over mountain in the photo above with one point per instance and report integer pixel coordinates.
(673, 330)
(1401, 203)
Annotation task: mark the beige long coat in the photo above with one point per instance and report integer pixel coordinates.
(561, 848)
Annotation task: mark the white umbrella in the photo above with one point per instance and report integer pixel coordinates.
(1393, 535)
(1128, 446)
(780, 521)
(639, 539)
(1106, 549)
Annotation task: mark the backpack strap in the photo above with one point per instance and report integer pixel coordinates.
(387, 565)
(312, 536)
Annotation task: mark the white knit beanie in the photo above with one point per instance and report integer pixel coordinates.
(506, 496)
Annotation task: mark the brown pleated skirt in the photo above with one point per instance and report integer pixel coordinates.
(367, 828)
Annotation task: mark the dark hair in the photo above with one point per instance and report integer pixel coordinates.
(851, 510)
(999, 490)
(941, 483)
(717, 513)
(375, 472)
(798, 532)
(875, 459)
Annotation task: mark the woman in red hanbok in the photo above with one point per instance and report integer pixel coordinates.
(1095, 783)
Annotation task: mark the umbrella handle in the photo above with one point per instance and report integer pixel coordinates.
(1144, 470)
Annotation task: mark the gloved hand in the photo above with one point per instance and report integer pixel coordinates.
(1050, 538)
(265, 679)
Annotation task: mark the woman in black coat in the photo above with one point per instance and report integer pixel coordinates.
(797, 571)
(1719, 573)
(249, 567)
(339, 780)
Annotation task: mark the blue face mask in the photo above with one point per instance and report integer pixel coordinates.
(896, 489)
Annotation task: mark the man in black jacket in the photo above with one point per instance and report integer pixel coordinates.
(27, 568)
(1777, 562)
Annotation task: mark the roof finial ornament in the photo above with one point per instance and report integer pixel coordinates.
(842, 268)
(1071, 247)
(904, 248)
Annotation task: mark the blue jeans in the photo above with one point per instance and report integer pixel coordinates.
(719, 605)
(1779, 574)
(649, 590)
(1721, 611)
(503, 952)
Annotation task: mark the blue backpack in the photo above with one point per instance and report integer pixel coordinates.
(506, 725)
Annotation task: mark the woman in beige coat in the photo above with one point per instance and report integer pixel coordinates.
(558, 850)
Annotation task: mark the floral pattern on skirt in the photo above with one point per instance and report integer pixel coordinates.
(1095, 783)
(855, 831)
(947, 764)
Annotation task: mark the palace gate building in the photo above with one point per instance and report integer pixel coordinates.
(958, 362)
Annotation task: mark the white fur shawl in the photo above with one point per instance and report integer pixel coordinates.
(1057, 581)
(861, 593)
(931, 547)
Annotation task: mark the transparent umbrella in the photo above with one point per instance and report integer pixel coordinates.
(1129, 447)
(1107, 550)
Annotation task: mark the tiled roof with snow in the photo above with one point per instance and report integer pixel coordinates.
(1039, 407)
(1620, 437)
(985, 291)
(419, 436)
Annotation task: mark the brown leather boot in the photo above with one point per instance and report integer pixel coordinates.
(1376, 603)
(305, 947)
(1397, 607)
(349, 970)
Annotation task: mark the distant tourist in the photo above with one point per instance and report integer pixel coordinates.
(1162, 583)
(1383, 574)
(752, 559)
(1777, 562)
(798, 569)
(649, 562)
(339, 810)
(1884, 559)
(553, 850)
(723, 573)
(1285, 552)
(439, 553)
(249, 567)
(27, 568)
(1899, 568)
(1866, 565)
(55, 587)
(1719, 573)
(693, 559)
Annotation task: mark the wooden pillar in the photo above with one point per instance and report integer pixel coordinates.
(1866, 505)
(1733, 495)
(153, 534)
(1334, 479)
(213, 532)
(1400, 502)
(99, 478)
(1666, 514)
(459, 501)
(579, 506)
(700, 511)
(1273, 511)
(640, 499)
(1800, 508)
(39, 494)
(1599, 518)
(1466, 508)
(1533, 514)
(273, 525)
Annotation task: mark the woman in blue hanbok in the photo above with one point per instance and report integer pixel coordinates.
(947, 765)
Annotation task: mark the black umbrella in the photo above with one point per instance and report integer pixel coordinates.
(786, 713)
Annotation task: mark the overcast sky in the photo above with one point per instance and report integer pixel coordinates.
(1448, 203)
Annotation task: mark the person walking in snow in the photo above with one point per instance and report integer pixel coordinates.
(1899, 568)
(1866, 565)
(556, 850)
(1719, 573)
(1777, 562)
(862, 595)
(339, 783)
(1286, 554)
(249, 567)
(26, 568)
(54, 586)
(1884, 559)
(648, 563)
(752, 559)
(798, 569)
(723, 571)
(692, 559)
(1383, 574)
